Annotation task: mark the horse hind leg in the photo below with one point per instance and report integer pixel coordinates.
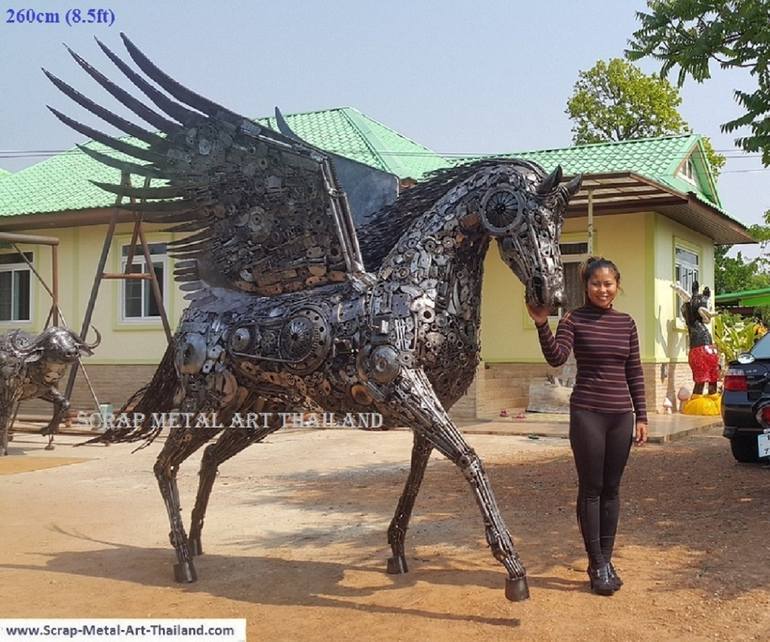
(230, 443)
(178, 447)
(416, 404)
(397, 531)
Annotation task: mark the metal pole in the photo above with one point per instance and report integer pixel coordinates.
(590, 222)
(28, 238)
(55, 284)
(157, 294)
(94, 291)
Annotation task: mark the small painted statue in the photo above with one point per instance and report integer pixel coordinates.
(31, 367)
(703, 355)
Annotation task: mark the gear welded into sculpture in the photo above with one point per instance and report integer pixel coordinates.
(31, 367)
(289, 311)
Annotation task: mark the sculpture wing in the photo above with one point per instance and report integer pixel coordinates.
(264, 211)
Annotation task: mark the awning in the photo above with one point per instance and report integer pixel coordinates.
(624, 192)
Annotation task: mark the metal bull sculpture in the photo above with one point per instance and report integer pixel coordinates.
(288, 311)
(31, 367)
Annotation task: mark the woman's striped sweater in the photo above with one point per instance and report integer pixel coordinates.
(609, 371)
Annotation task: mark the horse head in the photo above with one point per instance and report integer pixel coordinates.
(523, 209)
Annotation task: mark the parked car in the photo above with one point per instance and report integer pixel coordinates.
(746, 403)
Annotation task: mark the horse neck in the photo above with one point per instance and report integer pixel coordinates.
(444, 259)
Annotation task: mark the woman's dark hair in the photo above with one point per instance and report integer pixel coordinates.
(594, 263)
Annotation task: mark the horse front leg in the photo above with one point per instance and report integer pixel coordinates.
(421, 451)
(415, 403)
(228, 445)
(178, 447)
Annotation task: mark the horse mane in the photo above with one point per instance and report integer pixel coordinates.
(384, 228)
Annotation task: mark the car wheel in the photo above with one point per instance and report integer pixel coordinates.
(744, 448)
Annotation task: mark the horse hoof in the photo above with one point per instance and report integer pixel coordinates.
(49, 447)
(397, 565)
(184, 573)
(516, 589)
(196, 548)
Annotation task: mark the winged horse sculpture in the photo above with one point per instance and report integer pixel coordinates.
(311, 285)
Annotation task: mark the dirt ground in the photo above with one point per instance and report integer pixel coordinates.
(295, 542)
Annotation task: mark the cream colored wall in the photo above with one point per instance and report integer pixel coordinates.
(641, 244)
(507, 332)
(667, 333)
(123, 342)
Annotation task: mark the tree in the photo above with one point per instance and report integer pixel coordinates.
(736, 274)
(691, 34)
(616, 101)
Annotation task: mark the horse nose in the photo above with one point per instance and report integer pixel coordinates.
(538, 287)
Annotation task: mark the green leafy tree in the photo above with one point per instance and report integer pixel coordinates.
(691, 34)
(738, 274)
(615, 100)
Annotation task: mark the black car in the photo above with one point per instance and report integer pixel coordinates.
(746, 403)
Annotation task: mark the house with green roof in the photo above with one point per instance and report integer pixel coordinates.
(651, 205)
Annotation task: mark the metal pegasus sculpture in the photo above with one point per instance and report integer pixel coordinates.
(289, 311)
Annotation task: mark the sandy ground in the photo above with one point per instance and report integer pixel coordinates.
(295, 542)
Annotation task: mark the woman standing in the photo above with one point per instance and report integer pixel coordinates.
(609, 389)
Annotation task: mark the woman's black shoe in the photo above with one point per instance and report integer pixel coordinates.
(602, 583)
(615, 577)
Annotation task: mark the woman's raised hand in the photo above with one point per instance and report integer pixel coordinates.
(539, 313)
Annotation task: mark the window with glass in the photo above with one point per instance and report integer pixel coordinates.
(15, 287)
(138, 302)
(686, 270)
(572, 257)
(688, 170)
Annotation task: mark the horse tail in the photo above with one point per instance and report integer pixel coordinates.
(154, 397)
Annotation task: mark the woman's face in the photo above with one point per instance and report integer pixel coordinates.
(602, 287)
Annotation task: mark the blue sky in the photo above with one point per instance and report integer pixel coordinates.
(459, 77)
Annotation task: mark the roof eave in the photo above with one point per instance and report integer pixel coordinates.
(638, 193)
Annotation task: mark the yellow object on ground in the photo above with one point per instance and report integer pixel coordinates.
(13, 464)
(709, 405)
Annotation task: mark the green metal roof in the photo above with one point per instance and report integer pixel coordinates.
(744, 296)
(655, 158)
(61, 183)
(348, 132)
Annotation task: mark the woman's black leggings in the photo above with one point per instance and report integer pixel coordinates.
(600, 443)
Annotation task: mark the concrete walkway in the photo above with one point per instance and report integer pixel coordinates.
(662, 428)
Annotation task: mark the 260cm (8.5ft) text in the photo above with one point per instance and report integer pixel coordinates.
(70, 17)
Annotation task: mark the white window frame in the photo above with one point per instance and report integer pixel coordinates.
(687, 171)
(19, 267)
(694, 274)
(569, 258)
(145, 284)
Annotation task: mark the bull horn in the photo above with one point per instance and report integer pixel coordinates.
(573, 187)
(93, 346)
(550, 182)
